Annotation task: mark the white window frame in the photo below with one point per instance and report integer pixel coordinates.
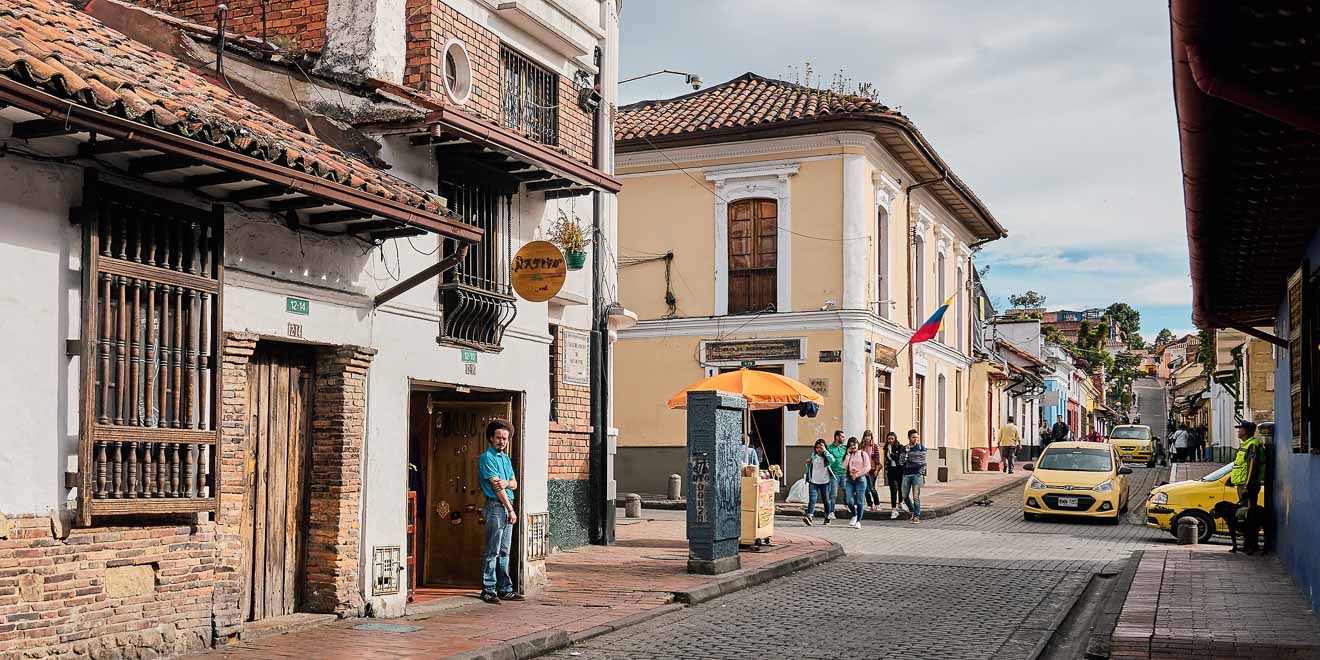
(763, 182)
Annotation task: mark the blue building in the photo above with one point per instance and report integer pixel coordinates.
(1250, 153)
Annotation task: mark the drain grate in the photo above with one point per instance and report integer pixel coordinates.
(387, 627)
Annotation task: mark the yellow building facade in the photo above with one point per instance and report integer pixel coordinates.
(808, 247)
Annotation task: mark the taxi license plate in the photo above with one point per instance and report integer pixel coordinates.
(1070, 502)
(1125, 454)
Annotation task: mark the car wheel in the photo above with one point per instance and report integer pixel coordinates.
(1117, 519)
(1205, 525)
(1150, 463)
(1029, 516)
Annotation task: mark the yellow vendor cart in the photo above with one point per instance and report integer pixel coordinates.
(758, 510)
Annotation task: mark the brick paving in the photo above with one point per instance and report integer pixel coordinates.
(588, 587)
(892, 607)
(1205, 602)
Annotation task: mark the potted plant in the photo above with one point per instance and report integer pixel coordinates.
(572, 239)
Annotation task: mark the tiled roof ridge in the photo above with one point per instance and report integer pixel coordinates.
(233, 124)
(748, 77)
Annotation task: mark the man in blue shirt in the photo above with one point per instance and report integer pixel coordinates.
(495, 471)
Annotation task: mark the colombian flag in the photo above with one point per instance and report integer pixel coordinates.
(932, 325)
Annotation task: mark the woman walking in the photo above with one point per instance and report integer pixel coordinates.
(856, 465)
(895, 458)
(820, 482)
(877, 464)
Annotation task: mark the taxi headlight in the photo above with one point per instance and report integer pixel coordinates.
(1159, 498)
(1104, 487)
(1037, 485)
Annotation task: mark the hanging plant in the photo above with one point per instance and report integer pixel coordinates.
(569, 235)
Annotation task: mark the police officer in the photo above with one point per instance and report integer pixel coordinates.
(1248, 474)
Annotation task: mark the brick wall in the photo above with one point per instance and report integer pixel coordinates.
(431, 23)
(570, 433)
(105, 591)
(296, 23)
(335, 502)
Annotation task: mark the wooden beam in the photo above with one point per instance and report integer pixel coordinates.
(331, 217)
(162, 163)
(299, 203)
(566, 192)
(257, 192)
(534, 175)
(549, 184)
(426, 274)
(41, 128)
(217, 179)
(424, 140)
(98, 147)
(370, 225)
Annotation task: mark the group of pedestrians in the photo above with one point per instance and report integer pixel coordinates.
(1189, 444)
(857, 467)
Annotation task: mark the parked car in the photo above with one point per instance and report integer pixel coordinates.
(1194, 498)
(1134, 443)
(1077, 479)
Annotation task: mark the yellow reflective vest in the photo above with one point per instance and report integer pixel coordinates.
(1248, 456)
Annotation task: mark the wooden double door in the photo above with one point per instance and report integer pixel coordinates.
(278, 456)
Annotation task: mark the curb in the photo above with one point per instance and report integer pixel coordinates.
(537, 644)
(760, 576)
(1057, 620)
(1101, 642)
(966, 501)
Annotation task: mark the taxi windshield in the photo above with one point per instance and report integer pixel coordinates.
(1130, 433)
(1076, 460)
(1218, 474)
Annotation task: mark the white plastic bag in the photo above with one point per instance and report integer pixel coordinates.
(798, 493)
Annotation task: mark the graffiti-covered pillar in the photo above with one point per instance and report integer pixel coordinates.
(714, 440)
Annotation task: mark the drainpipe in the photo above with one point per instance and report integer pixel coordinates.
(912, 278)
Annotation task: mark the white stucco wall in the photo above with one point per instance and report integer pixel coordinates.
(39, 310)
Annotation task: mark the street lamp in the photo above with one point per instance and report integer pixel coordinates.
(689, 78)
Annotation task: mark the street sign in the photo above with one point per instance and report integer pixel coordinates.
(469, 356)
(297, 306)
(749, 363)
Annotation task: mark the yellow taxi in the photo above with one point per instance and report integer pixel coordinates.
(1077, 479)
(1134, 443)
(1196, 499)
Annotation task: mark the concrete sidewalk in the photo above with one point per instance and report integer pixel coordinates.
(1205, 602)
(593, 590)
(937, 499)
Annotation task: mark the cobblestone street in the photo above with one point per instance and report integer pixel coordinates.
(982, 583)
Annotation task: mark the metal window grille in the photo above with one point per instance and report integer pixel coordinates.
(538, 535)
(385, 569)
(477, 301)
(531, 98)
(554, 374)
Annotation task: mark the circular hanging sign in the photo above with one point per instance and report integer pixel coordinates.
(539, 271)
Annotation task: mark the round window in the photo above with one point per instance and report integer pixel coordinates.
(458, 72)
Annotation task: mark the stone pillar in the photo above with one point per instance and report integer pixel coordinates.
(365, 39)
(855, 361)
(714, 494)
(856, 230)
(335, 484)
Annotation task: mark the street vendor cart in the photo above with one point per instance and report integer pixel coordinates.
(763, 391)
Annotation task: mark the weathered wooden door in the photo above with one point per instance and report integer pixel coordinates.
(455, 530)
(753, 255)
(275, 503)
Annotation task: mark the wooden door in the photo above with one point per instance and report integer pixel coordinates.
(275, 504)
(753, 255)
(455, 531)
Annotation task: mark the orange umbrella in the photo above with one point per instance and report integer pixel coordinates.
(763, 390)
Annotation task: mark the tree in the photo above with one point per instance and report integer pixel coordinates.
(1027, 300)
(1164, 338)
(1129, 319)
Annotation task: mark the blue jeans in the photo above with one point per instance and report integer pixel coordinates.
(912, 493)
(495, 558)
(826, 494)
(855, 490)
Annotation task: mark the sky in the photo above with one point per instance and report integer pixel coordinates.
(1059, 115)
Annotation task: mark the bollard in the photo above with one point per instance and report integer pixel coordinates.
(675, 488)
(1189, 531)
(632, 505)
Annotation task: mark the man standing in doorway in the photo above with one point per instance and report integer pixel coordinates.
(1009, 439)
(1060, 431)
(498, 483)
(836, 450)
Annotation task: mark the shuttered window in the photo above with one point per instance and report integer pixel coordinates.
(1297, 357)
(753, 255)
(152, 300)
